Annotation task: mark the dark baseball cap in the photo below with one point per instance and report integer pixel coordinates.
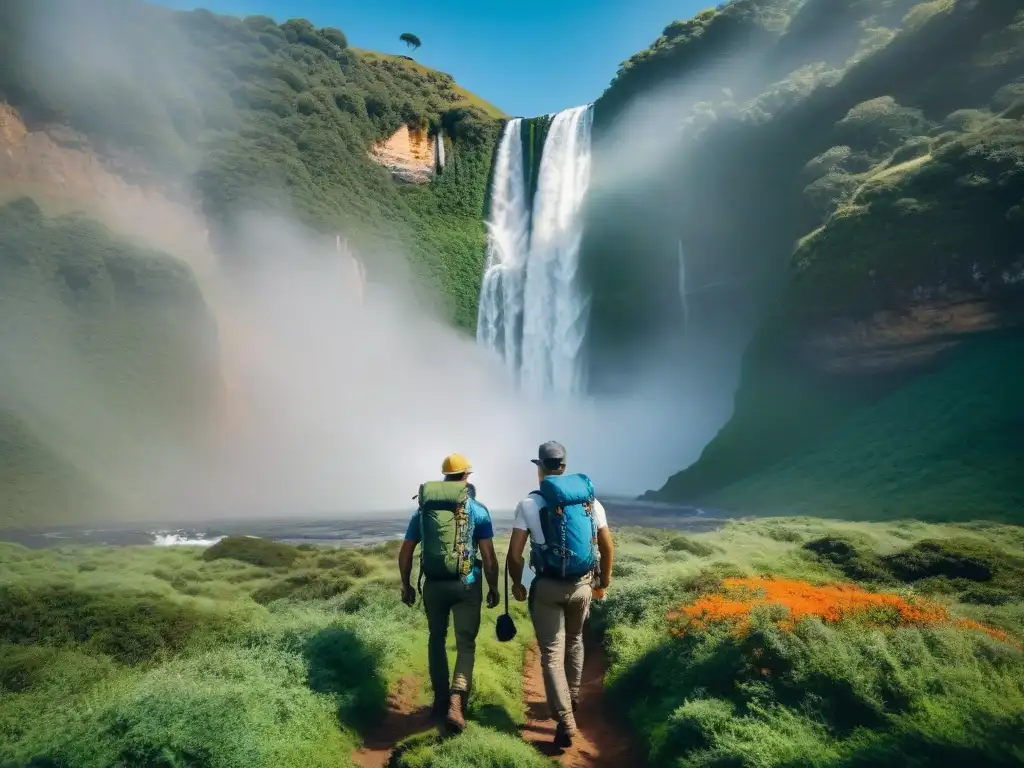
(550, 455)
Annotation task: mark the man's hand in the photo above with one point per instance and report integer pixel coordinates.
(597, 593)
(408, 595)
(492, 597)
(519, 592)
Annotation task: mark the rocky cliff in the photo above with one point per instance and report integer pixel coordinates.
(847, 177)
(412, 155)
(134, 143)
(109, 370)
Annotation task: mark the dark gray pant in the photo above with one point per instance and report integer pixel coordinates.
(442, 599)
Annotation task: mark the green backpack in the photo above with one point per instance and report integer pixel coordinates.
(446, 535)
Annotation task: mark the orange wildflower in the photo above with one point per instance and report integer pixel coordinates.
(831, 603)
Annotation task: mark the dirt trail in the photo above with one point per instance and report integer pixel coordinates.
(403, 718)
(601, 743)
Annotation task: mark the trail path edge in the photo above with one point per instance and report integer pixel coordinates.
(601, 742)
(404, 717)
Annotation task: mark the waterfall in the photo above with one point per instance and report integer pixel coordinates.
(532, 309)
(682, 288)
(439, 151)
(555, 312)
(508, 231)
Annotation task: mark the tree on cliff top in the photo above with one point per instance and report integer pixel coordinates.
(410, 39)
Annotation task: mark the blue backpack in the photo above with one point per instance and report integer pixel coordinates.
(570, 530)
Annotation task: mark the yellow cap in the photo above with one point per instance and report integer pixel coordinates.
(455, 464)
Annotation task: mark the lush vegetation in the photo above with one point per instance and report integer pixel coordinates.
(798, 642)
(773, 643)
(943, 447)
(104, 344)
(249, 653)
(235, 116)
(835, 160)
(256, 115)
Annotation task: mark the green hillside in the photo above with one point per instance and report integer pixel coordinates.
(258, 654)
(945, 446)
(854, 191)
(109, 357)
(233, 116)
(261, 116)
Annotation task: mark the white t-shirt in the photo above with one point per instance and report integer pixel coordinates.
(528, 518)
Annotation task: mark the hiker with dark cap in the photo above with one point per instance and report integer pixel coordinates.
(450, 526)
(571, 554)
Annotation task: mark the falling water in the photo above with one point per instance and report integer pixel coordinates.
(682, 288)
(508, 230)
(555, 312)
(532, 310)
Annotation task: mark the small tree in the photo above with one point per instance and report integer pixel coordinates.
(410, 39)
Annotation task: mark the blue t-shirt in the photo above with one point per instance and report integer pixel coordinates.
(482, 529)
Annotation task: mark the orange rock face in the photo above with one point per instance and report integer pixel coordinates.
(408, 154)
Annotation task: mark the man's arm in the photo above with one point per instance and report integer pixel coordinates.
(483, 532)
(490, 559)
(516, 545)
(607, 549)
(405, 554)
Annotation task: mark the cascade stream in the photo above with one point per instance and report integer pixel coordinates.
(532, 309)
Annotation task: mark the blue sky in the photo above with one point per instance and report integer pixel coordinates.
(528, 57)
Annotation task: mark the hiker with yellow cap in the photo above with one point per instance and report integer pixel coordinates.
(451, 526)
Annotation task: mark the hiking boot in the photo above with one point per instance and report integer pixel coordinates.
(456, 719)
(563, 736)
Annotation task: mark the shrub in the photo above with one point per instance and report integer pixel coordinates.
(912, 148)
(477, 746)
(881, 123)
(335, 36)
(130, 628)
(850, 555)
(305, 586)
(1011, 95)
(680, 543)
(255, 551)
(826, 161)
(964, 120)
(962, 563)
(827, 192)
(231, 708)
(819, 693)
(341, 663)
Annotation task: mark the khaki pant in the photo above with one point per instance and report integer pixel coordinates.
(463, 603)
(559, 610)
